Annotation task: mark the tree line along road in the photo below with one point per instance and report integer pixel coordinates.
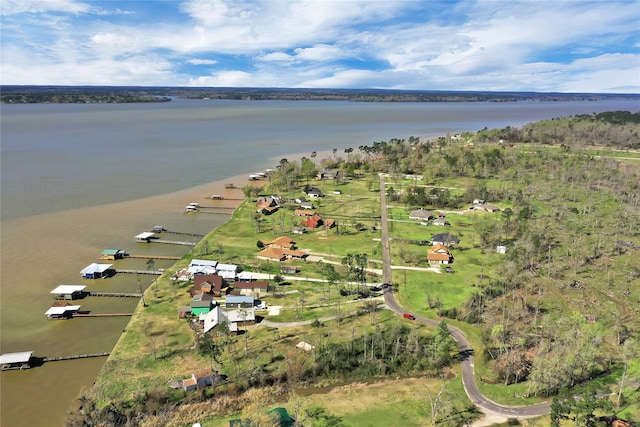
(464, 347)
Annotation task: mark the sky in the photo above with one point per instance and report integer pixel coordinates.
(477, 45)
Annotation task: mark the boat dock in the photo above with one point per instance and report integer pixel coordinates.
(75, 356)
(102, 315)
(152, 272)
(175, 258)
(172, 242)
(114, 295)
(181, 233)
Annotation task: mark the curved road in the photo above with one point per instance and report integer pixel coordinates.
(466, 352)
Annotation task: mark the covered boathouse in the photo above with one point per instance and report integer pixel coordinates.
(96, 271)
(57, 312)
(69, 292)
(21, 360)
(113, 254)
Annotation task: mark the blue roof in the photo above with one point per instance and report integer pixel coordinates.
(239, 299)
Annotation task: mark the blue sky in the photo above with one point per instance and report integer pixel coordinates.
(511, 45)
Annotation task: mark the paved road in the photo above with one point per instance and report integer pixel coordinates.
(464, 347)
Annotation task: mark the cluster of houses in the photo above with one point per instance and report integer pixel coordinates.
(220, 293)
(309, 218)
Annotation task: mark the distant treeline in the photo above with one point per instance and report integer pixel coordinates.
(92, 94)
(71, 95)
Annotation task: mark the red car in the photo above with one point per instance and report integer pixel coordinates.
(409, 316)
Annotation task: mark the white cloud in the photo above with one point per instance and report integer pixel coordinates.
(275, 57)
(468, 45)
(12, 7)
(202, 61)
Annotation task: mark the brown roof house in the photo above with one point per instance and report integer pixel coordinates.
(313, 221)
(280, 254)
(212, 284)
(283, 242)
(439, 254)
(267, 205)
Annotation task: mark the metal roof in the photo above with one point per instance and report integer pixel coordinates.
(95, 268)
(68, 289)
(239, 299)
(203, 263)
(19, 357)
(145, 235)
(62, 310)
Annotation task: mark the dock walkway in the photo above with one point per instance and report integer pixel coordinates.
(102, 315)
(172, 242)
(152, 272)
(114, 294)
(75, 356)
(175, 258)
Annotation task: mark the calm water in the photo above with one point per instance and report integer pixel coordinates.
(77, 179)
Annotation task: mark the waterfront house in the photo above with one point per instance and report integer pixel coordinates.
(20, 360)
(96, 271)
(439, 254)
(113, 254)
(68, 292)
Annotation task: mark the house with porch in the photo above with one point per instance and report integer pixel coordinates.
(439, 254)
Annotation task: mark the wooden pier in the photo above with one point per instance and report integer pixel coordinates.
(75, 356)
(152, 272)
(172, 242)
(102, 315)
(181, 233)
(174, 258)
(114, 294)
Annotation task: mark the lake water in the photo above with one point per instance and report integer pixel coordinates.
(77, 179)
